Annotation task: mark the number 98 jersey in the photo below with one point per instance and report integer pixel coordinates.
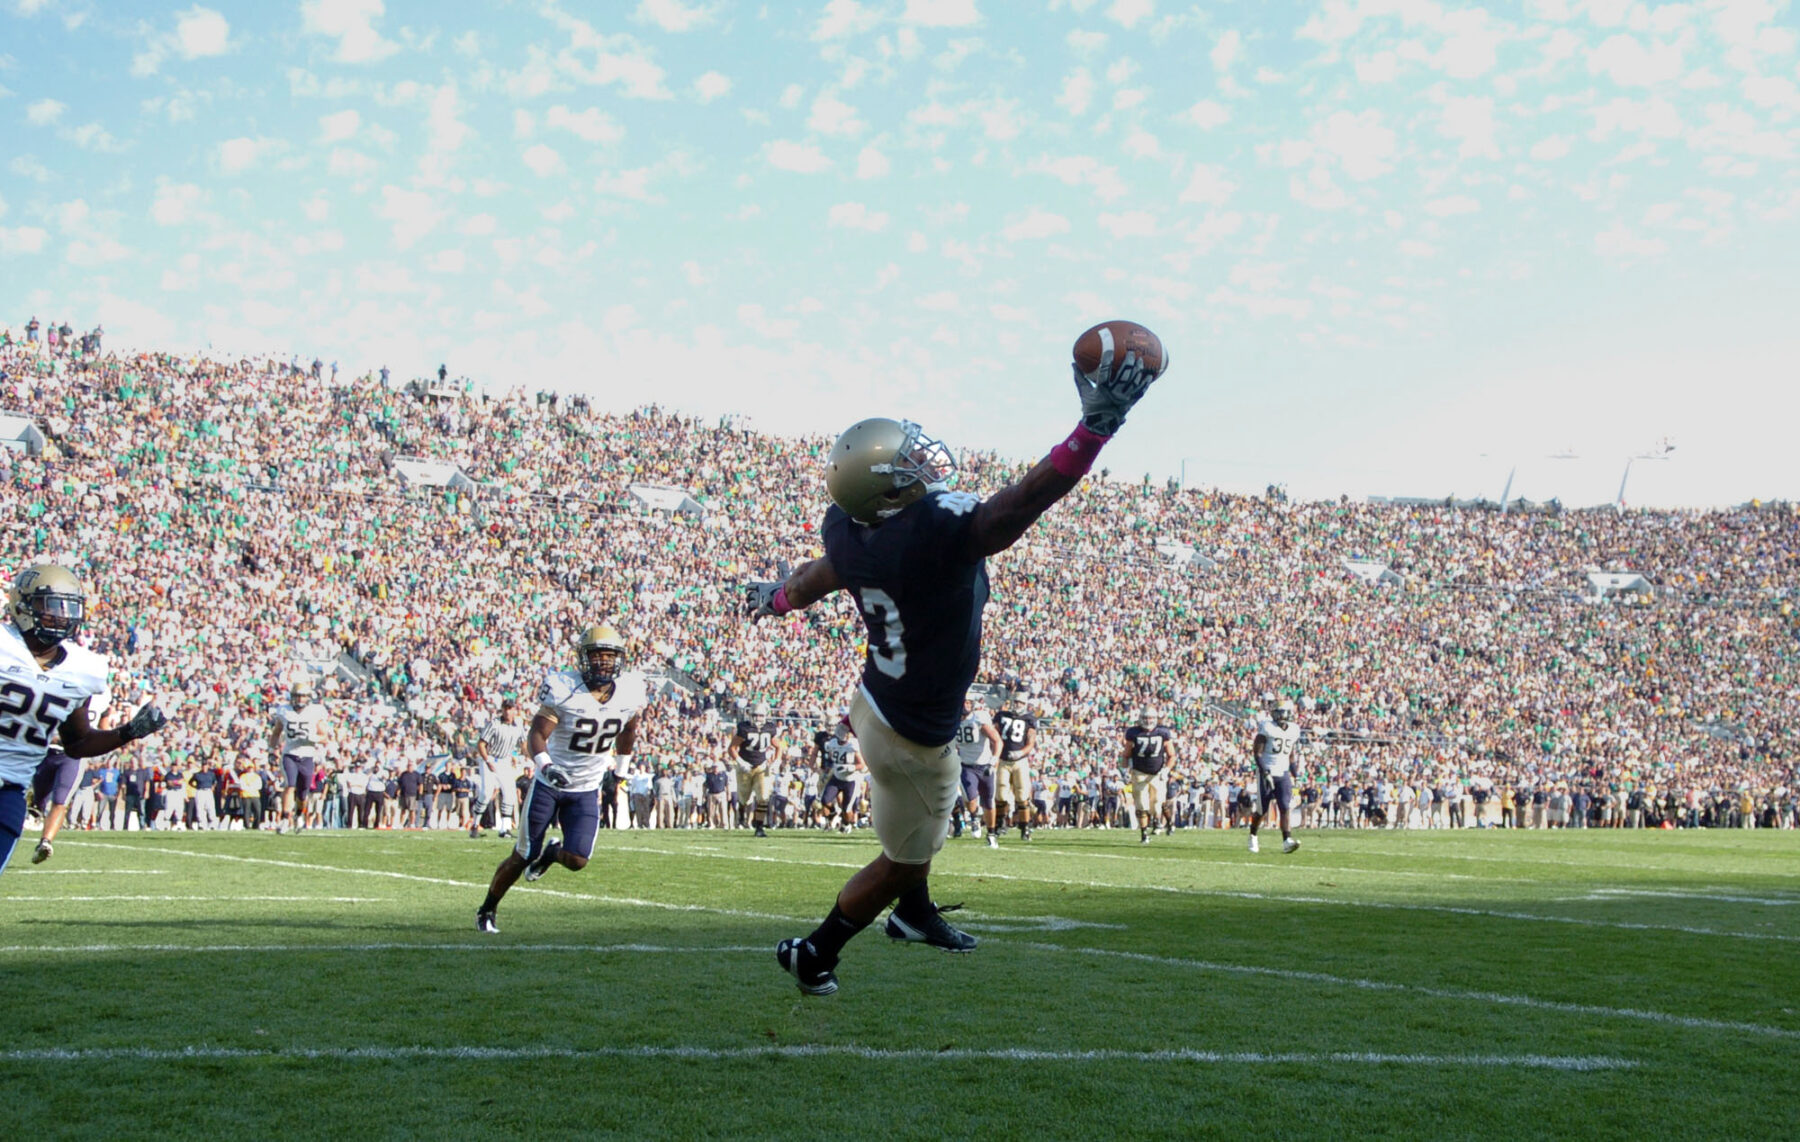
(586, 727)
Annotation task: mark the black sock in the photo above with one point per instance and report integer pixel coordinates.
(829, 938)
(1286, 836)
(915, 903)
(491, 903)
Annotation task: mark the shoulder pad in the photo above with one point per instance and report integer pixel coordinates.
(556, 689)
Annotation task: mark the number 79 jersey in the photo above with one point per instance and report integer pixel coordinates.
(921, 599)
(586, 727)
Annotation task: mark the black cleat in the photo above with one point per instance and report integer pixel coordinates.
(545, 859)
(484, 922)
(936, 931)
(759, 832)
(798, 959)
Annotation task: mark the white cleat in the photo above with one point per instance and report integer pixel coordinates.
(1253, 845)
(993, 842)
(1289, 845)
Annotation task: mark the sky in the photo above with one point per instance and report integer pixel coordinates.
(1393, 247)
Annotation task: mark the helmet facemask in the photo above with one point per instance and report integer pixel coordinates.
(48, 606)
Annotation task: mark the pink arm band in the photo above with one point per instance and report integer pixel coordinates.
(779, 603)
(1074, 456)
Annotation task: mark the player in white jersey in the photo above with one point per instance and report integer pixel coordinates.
(977, 747)
(296, 741)
(49, 684)
(496, 769)
(586, 724)
(1277, 749)
(843, 767)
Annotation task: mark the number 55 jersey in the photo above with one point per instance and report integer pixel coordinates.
(587, 725)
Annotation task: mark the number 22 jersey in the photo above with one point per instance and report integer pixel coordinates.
(586, 727)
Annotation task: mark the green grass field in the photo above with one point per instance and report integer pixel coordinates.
(1606, 984)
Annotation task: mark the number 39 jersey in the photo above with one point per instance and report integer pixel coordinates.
(921, 599)
(586, 727)
(34, 701)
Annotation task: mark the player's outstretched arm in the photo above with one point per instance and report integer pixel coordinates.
(81, 740)
(1118, 372)
(809, 582)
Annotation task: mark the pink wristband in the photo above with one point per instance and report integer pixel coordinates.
(779, 603)
(1074, 456)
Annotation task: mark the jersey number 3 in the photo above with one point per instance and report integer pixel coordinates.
(887, 646)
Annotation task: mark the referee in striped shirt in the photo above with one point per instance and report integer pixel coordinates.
(495, 768)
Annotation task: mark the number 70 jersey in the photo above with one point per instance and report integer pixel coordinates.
(586, 727)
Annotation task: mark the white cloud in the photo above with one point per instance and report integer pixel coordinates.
(1618, 242)
(316, 208)
(1451, 205)
(1035, 223)
(339, 126)
(1548, 150)
(542, 160)
(1206, 115)
(832, 116)
(201, 32)
(591, 125)
(1077, 92)
(1413, 248)
(22, 240)
(1209, 186)
(352, 24)
(1361, 142)
(1470, 120)
(1129, 13)
(842, 19)
(177, 203)
(712, 85)
(800, 158)
(238, 155)
(871, 163)
(478, 225)
(350, 164)
(1627, 62)
(1085, 42)
(44, 112)
(856, 216)
(1130, 224)
(1655, 117)
(941, 13)
(1141, 144)
(446, 262)
(943, 301)
(413, 213)
(1227, 50)
(1083, 170)
(1470, 46)
(632, 184)
(1382, 67)
(671, 15)
(96, 250)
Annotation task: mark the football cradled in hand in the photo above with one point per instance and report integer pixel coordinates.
(1122, 337)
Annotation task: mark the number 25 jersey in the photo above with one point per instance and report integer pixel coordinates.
(34, 701)
(921, 600)
(586, 727)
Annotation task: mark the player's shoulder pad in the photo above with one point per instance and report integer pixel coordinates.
(559, 686)
(86, 667)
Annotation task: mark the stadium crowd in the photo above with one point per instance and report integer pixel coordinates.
(242, 522)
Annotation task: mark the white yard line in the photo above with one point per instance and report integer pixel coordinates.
(1486, 997)
(816, 1051)
(629, 901)
(210, 899)
(1382, 905)
(490, 946)
(1723, 897)
(90, 871)
(1571, 862)
(1274, 863)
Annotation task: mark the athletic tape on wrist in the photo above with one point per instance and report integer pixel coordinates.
(1074, 456)
(779, 604)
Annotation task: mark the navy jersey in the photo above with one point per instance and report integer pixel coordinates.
(1149, 748)
(1013, 725)
(921, 599)
(753, 750)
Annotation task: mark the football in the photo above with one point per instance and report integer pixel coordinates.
(1121, 337)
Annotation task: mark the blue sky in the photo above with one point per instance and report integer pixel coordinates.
(1393, 246)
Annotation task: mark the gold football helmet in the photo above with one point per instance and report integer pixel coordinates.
(47, 603)
(1284, 713)
(880, 466)
(600, 655)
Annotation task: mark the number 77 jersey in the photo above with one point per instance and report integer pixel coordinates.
(921, 598)
(587, 724)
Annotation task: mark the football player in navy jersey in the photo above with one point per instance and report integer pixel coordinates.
(1018, 728)
(1149, 753)
(912, 554)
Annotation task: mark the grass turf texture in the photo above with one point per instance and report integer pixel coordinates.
(1373, 984)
